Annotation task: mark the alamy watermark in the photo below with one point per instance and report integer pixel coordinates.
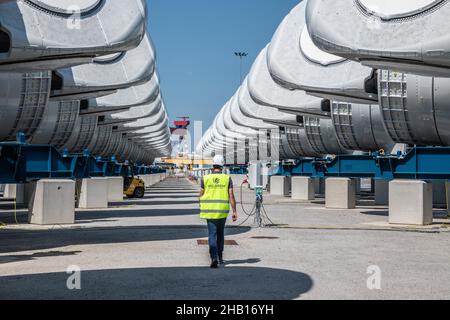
(74, 279)
(374, 280)
(74, 22)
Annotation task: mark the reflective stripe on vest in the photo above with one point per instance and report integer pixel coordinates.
(215, 202)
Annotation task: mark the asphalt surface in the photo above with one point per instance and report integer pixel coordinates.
(147, 249)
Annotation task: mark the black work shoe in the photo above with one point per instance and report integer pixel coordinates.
(221, 262)
(214, 264)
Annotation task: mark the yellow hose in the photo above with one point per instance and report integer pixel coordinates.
(15, 211)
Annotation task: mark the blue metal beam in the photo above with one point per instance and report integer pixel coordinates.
(238, 169)
(424, 163)
(22, 163)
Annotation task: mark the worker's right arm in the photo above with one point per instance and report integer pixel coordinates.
(202, 188)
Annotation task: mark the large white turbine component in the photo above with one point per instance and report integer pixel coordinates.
(119, 66)
(222, 140)
(62, 121)
(139, 112)
(238, 140)
(263, 129)
(404, 35)
(296, 63)
(145, 124)
(360, 127)
(23, 101)
(344, 82)
(134, 102)
(124, 99)
(146, 131)
(84, 131)
(150, 132)
(106, 74)
(90, 80)
(415, 108)
(57, 124)
(269, 115)
(265, 91)
(293, 143)
(101, 140)
(39, 35)
(245, 121)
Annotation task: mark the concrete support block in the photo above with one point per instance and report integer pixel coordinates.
(94, 193)
(410, 202)
(280, 185)
(340, 193)
(115, 189)
(367, 185)
(358, 186)
(30, 189)
(150, 180)
(319, 185)
(144, 178)
(52, 202)
(439, 194)
(381, 192)
(10, 191)
(303, 188)
(15, 191)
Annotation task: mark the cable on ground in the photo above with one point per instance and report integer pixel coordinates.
(253, 213)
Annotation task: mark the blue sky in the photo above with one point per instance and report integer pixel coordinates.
(195, 42)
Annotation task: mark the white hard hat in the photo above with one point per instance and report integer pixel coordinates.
(219, 161)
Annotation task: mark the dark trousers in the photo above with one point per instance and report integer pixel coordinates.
(216, 230)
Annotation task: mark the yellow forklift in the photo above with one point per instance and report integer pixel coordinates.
(133, 187)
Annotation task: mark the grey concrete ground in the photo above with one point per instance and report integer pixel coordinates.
(147, 249)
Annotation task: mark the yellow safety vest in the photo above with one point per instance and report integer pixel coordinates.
(215, 202)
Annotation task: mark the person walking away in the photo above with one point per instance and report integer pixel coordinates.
(216, 198)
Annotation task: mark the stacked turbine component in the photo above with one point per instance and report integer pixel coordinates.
(319, 102)
(407, 42)
(413, 36)
(89, 85)
(39, 35)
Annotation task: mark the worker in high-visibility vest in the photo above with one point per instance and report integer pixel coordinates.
(216, 198)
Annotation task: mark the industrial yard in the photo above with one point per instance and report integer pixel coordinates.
(147, 249)
(136, 165)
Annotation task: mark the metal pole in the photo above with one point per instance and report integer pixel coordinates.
(241, 56)
(241, 70)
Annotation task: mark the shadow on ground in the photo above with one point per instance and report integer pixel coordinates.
(152, 203)
(81, 216)
(89, 216)
(437, 214)
(183, 283)
(37, 255)
(16, 241)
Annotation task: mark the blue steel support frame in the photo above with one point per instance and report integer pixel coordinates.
(22, 163)
(238, 169)
(420, 163)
